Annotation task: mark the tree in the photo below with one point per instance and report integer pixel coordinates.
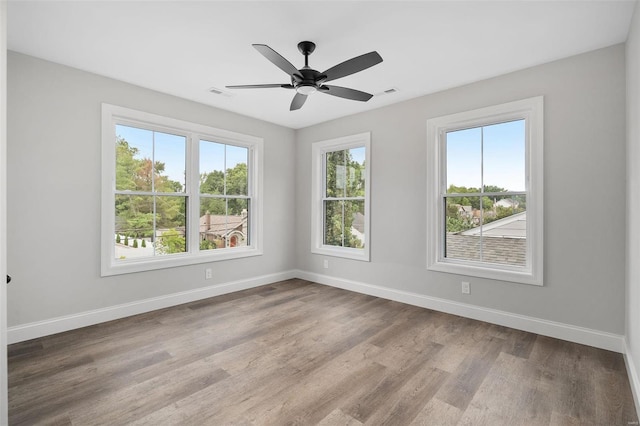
(207, 245)
(457, 222)
(171, 241)
(345, 178)
(140, 215)
(233, 182)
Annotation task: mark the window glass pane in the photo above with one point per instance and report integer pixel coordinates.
(236, 176)
(212, 168)
(333, 223)
(170, 211)
(354, 224)
(221, 230)
(134, 153)
(336, 173)
(462, 222)
(170, 162)
(213, 205)
(171, 225)
(134, 226)
(505, 234)
(464, 160)
(355, 172)
(344, 223)
(504, 157)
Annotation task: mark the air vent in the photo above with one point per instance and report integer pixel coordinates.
(220, 92)
(389, 91)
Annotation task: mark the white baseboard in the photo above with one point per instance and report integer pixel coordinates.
(33, 330)
(572, 333)
(634, 379)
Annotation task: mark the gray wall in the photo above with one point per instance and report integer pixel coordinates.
(54, 193)
(633, 199)
(584, 171)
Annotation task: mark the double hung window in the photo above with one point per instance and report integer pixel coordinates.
(485, 192)
(176, 193)
(340, 211)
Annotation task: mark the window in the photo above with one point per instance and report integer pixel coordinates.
(340, 194)
(485, 192)
(176, 193)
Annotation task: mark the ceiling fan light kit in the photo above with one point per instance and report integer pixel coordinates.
(306, 80)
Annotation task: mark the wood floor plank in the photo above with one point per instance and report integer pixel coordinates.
(527, 406)
(404, 405)
(297, 352)
(463, 384)
(365, 407)
(338, 418)
(437, 411)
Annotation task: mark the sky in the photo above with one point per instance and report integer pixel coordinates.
(489, 155)
(492, 154)
(171, 150)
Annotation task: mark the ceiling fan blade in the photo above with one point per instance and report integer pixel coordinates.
(297, 102)
(277, 59)
(344, 92)
(260, 86)
(353, 65)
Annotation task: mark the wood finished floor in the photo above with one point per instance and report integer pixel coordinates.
(296, 352)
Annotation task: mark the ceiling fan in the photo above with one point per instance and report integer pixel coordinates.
(307, 80)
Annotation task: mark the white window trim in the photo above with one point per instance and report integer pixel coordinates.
(317, 190)
(532, 111)
(112, 115)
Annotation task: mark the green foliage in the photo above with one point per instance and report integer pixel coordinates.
(144, 243)
(118, 239)
(458, 224)
(458, 221)
(207, 245)
(126, 240)
(233, 182)
(170, 242)
(345, 178)
(136, 215)
(135, 243)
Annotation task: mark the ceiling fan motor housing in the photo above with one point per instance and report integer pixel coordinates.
(306, 80)
(310, 81)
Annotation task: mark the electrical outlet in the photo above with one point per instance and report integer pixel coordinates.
(326, 264)
(208, 274)
(466, 287)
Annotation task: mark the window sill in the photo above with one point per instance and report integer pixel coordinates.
(171, 261)
(346, 253)
(506, 274)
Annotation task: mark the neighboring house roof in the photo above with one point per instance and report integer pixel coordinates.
(514, 226)
(502, 251)
(358, 222)
(506, 245)
(222, 224)
(506, 202)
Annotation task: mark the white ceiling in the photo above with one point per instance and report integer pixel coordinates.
(186, 47)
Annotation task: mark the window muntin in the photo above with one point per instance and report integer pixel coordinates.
(485, 192)
(344, 198)
(150, 198)
(224, 199)
(485, 167)
(340, 211)
(159, 176)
